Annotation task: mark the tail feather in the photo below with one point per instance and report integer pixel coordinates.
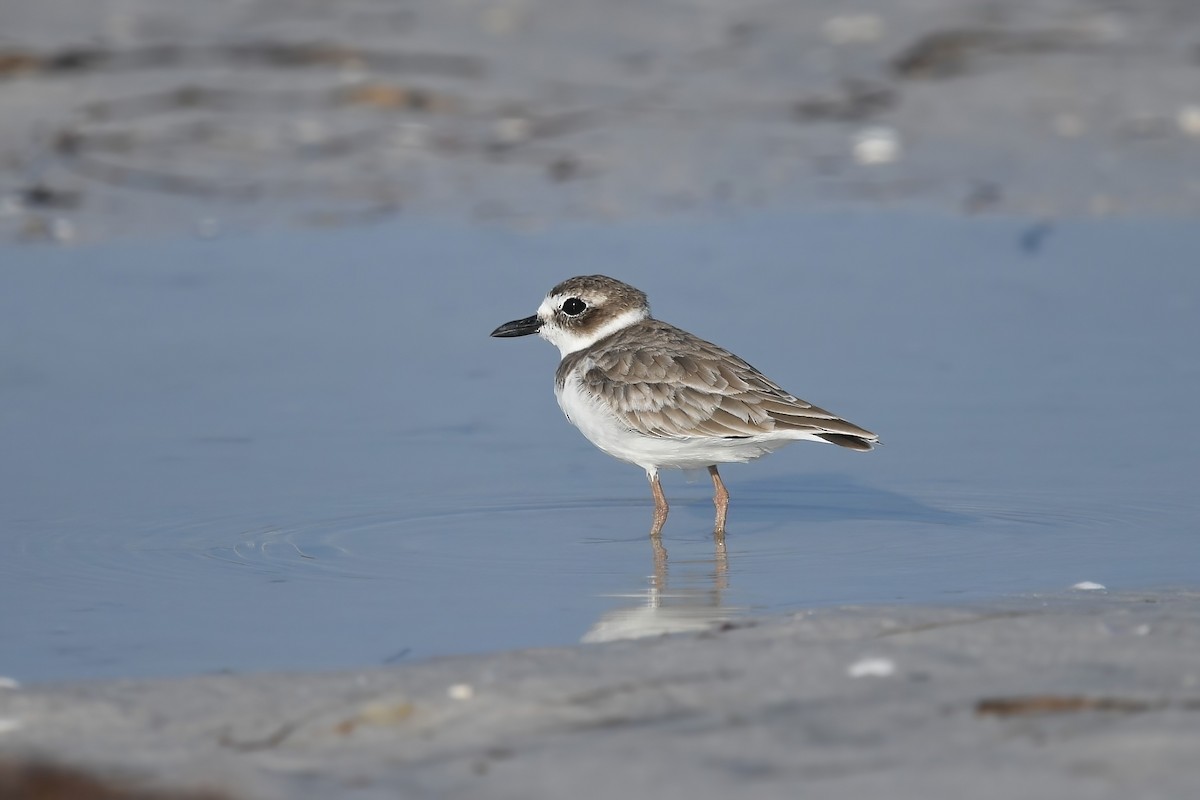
(821, 424)
(842, 440)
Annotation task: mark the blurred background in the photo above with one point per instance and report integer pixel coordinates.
(152, 116)
(251, 250)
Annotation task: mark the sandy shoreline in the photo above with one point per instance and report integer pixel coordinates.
(1080, 695)
(142, 118)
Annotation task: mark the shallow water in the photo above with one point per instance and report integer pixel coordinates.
(302, 450)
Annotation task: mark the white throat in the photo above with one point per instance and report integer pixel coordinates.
(569, 341)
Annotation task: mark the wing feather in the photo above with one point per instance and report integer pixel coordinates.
(692, 387)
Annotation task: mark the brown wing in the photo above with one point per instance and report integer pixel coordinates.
(681, 386)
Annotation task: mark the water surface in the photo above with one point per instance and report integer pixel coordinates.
(302, 450)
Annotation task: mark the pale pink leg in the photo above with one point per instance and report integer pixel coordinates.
(660, 506)
(721, 501)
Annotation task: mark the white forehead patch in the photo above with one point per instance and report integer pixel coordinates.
(546, 310)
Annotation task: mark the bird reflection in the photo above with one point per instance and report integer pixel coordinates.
(694, 603)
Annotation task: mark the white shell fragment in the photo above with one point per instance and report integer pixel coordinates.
(872, 668)
(461, 691)
(1188, 120)
(878, 145)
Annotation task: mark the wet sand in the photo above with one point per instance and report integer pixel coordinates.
(148, 117)
(1081, 696)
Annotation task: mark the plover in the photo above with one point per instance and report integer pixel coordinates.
(654, 395)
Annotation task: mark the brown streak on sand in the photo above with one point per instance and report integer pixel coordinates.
(40, 780)
(1037, 704)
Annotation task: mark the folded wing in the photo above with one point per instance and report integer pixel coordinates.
(689, 387)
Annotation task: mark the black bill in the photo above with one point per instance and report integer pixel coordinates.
(518, 327)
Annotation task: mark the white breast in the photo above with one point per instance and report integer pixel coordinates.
(595, 420)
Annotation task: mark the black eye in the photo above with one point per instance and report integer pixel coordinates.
(574, 306)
